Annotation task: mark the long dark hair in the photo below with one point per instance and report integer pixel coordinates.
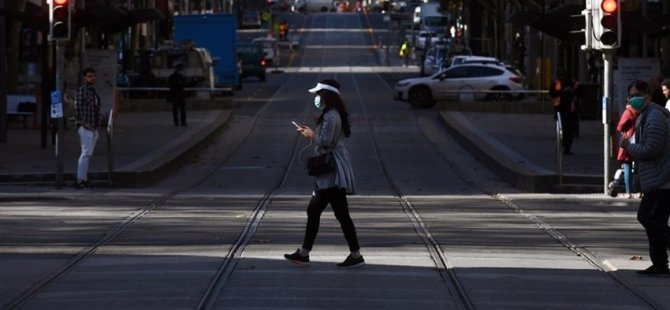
(333, 100)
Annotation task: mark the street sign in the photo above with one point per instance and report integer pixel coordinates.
(56, 104)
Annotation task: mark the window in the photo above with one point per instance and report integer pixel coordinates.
(480, 71)
(457, 73)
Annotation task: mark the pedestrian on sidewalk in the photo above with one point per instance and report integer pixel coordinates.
(566, 93)
(651, 151)
(332, 187)
(665, 88)
(88, 120)
(656, 90)
(404, 53)
(626, 127)
(177, 95)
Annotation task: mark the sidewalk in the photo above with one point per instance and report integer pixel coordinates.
(522, 148)
(518, 146)
(144, 144)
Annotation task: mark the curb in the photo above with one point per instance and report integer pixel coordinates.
(148, 169)
(510, 165)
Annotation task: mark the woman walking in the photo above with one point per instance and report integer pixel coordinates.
(331, 187)
(626, 127)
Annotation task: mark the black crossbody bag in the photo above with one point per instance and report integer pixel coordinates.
(322, 163)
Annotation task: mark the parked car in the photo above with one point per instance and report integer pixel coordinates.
(305, 6)
(252, 58)
(251, 19)
(399, 6)
(471, 81)
(269, 48)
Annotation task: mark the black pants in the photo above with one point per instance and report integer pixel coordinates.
(653, 214)
(179, 112)
(338, 201)
(569, 121)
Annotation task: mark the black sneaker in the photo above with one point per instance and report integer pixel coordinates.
(84, 185)
(352, 262)
(654, 270)
(297, 259)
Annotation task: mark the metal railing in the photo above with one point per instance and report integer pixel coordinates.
(490, 91)
(559, 147)
(160, 92)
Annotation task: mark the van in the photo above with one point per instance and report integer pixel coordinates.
(253, 60)
(431, 19)
(197, 62)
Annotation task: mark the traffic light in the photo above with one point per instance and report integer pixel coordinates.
(608, 29)
(59, 19)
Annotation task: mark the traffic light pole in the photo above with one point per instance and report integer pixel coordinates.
(58, 121)
(608, 57)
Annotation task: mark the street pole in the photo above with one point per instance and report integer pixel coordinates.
(3, 76)
(606, 110)
(58, 121)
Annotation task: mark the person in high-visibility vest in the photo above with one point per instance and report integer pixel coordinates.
(404, 52)
(283, 30)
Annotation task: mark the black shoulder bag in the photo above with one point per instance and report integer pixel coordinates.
(322, 163)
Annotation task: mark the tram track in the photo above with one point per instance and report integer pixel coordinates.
(441, 258)
(228, 261)
(212, 293)
(437, 254)
(233, 255)
(556, 234)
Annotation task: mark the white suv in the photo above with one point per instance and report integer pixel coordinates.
(462, 82)
(466, 59)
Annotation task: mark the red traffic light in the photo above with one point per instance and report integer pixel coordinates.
(59, 20)
(609, 6)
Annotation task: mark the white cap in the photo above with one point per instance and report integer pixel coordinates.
(320, 86)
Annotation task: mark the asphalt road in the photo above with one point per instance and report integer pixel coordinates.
(437, 229)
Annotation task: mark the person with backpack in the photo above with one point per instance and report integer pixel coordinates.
(651, 151)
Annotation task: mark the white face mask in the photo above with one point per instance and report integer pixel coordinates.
(317, 102)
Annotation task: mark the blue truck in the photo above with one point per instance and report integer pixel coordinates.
(216, 33)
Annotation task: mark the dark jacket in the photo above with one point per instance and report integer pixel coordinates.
(651, 149)
(566, 94)
(176, 82)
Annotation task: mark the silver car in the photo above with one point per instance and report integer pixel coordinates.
(465, 82)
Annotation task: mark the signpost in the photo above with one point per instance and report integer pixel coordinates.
(603, 33)
(60, 12)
